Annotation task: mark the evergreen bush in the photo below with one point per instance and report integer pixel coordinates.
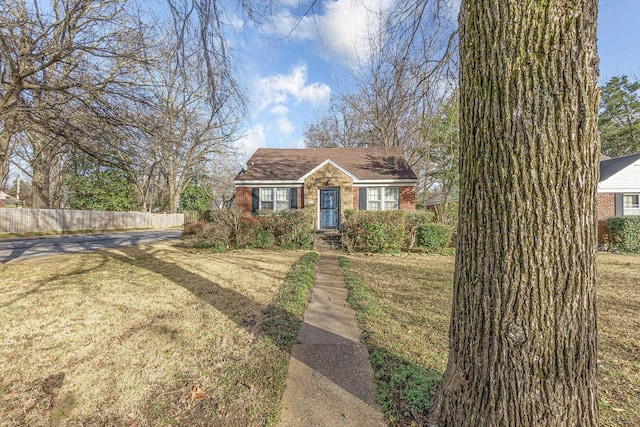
(434, 236)
(413, 221)
(624, 233)
(374, 231)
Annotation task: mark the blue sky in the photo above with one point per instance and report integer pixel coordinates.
(290, 76)
(619, 38)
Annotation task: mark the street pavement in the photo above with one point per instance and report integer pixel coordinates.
(20, 249)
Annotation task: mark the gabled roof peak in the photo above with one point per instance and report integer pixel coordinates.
(292, 164)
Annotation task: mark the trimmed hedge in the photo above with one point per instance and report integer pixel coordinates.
(373, 231)
(624, 232)
(363, 231)
(291, 229)
(391, 231)
(434, 236)
(413, 221)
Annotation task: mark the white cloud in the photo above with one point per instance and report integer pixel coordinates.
(344, 28)
(279, 110)
(282, 88)
(285, 126)
(290, 2)
(348, 24)
(275, 92)
(236, 23)
(254, 138)
(285, 25)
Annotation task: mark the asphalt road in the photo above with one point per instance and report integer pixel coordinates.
(22, 249)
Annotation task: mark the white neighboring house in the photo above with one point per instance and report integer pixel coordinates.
(618, 189)
(9, 201)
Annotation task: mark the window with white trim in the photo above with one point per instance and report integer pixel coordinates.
(631, 204)
(274, 199)
(383, 198)
(391, 199)
(374, 199)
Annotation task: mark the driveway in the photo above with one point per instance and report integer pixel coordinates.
(22, 249)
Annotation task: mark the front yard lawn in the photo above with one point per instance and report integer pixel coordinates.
(404, 302)
(149, 335)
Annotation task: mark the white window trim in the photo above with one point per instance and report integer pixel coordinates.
(274, 200)
(383, 198)
(630, 210)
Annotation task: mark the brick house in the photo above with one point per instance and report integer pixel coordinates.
(618, 189)
(330, 180)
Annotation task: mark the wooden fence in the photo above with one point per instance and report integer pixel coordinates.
(195, 216)
(18, 221)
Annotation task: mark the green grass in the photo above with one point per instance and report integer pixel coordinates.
(403, 305)
(284, 315)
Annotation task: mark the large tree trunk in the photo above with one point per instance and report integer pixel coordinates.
(523, 327)
(41, 185)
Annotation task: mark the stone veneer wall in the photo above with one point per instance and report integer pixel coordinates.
(318, 180)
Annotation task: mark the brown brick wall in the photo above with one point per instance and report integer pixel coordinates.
(338, 179)
(356, 198)
(606, 209)
(243, 198)
(408, 198)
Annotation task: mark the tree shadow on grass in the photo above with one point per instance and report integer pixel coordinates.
(279, 323)
(204, 289)
(45, 283)
(281, 320)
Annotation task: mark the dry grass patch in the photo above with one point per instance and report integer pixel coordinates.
(404, 305)
(143, 335)
(619, 339)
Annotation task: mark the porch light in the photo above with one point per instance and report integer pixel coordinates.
(328, 183)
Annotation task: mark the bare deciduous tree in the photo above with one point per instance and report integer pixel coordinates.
(60, 57)
(196, 103)
(401, 86)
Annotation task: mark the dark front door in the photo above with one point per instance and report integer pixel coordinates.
(329, 208)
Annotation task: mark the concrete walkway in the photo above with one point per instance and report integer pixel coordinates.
(330, 379)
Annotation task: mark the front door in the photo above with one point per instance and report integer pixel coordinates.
(329, 208)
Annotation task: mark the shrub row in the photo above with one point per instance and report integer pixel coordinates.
(233, 229)
(624, 233)
(390, 231)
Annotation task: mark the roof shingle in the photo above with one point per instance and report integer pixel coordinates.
(610, 167)
(278, 164)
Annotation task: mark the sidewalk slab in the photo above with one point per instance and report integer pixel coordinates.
(330, 379)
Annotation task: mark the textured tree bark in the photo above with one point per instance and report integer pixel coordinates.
(523, 326)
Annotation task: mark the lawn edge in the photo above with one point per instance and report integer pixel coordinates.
(282, 320)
